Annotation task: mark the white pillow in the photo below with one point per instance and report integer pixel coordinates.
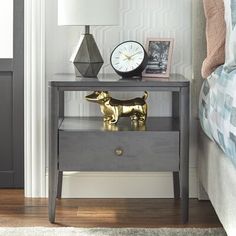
(230, 47)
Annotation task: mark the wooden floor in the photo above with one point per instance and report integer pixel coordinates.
(15, 210)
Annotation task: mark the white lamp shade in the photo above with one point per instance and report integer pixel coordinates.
(88, 12)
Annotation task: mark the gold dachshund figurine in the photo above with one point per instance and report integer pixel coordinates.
(113, 109)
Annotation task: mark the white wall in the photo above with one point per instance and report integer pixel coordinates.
(139, 19)
(6, 28)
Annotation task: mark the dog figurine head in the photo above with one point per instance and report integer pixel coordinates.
(98, 97)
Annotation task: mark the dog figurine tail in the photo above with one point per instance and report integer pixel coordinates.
(145, 96)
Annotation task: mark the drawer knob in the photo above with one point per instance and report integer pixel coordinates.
(119, 151)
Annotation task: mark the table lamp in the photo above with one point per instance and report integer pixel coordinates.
(87, 59)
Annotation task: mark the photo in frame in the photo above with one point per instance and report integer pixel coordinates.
(159, 57)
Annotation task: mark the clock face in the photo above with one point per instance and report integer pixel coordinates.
(127, 56)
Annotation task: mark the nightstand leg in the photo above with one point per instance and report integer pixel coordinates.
(184, 152)
(59, 186)
(53, 151)
(176, 185)
(61, 116)
(175, 114)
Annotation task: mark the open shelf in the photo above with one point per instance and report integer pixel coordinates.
(124, 124)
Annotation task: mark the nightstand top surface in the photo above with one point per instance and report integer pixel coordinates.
(113, 80)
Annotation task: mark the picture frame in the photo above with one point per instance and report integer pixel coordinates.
(159, 52)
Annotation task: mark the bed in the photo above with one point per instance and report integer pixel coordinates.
(216, 168)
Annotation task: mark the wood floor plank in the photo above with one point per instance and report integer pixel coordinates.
(15, 210)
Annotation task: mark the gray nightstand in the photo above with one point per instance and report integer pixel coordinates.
(83, 144)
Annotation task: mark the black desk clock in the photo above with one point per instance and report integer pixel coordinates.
(129, 59)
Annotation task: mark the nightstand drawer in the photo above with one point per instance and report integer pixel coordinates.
(118, 151)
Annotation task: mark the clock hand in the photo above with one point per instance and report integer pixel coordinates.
(135, 54)
(128, 57)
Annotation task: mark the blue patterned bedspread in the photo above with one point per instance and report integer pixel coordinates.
(217, 110)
